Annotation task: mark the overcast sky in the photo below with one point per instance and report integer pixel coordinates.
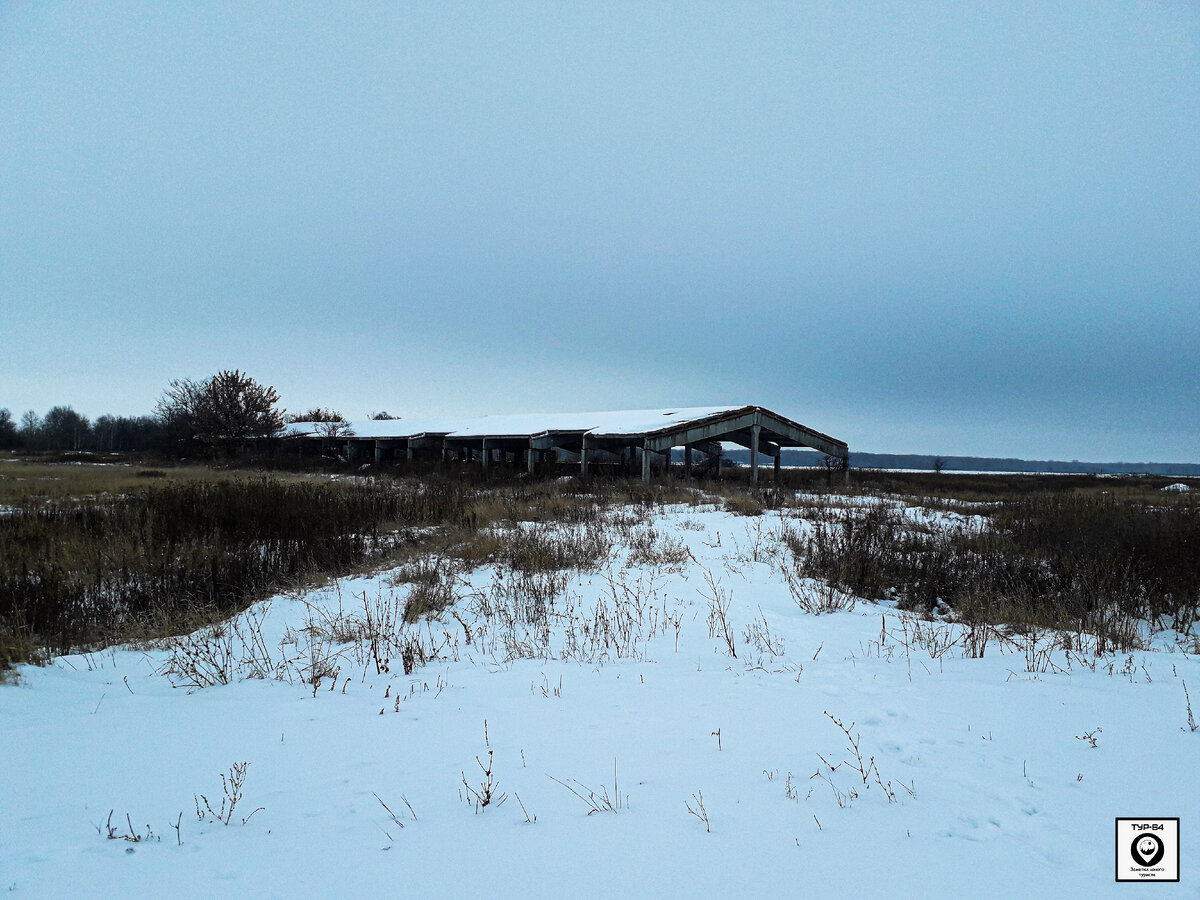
(954, 228)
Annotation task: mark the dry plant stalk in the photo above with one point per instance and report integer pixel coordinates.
(598, 802)
(699, 812)
(718, 612)
(231, 788)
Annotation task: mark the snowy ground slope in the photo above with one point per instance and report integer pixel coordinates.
(998, 792)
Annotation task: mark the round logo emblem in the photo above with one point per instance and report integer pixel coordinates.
(1147, 849)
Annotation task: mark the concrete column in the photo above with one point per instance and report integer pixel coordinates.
(646, 464)
(720, 458)
(349, 451)
(778, 463)
(486, 453)
(754, 432)
(529, 457)
(378, 452)
(408, 450)
(687, 460)
(584, 450)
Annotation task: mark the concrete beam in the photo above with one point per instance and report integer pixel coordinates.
(551, 440)
(696, 433)
(769, 448)
(782, 430)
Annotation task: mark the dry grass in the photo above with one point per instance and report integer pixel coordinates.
(1095, 563)
(104, 537)
(744, 505)
(25, 481)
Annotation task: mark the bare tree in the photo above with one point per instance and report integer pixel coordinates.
(334, 429)
(226, 410)
(176, 409)
(319, 414)
(65, 429)
(328, 423)
(8, 431)
(31, 429)
(233, 408)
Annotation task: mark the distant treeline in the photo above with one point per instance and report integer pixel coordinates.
(978, 463)
(62, 428)
(223, 411)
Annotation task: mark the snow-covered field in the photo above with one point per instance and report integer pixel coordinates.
(977, 777)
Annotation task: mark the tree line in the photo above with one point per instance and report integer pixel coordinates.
(209, 416)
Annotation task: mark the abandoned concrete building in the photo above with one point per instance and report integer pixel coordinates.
(631, 438)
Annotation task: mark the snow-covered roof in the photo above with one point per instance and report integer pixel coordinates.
(616, 422)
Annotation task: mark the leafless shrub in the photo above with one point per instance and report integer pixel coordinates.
(975, 638)
(864, 768)
(553, 547)
(813, 596)
(231, 788)
(113, 833)
(424, 569)
(934, 638)
(487, 792)
(1038, 646)
(428, 598)
(758, 635)
(625, 519)
(649, 547)
(221, 653)
(201, 659)
(742, 504)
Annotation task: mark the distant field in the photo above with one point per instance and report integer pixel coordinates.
(26, 480)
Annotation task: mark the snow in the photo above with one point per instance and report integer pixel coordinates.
(1179, 487)
(615, 422)
(1008, 795)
